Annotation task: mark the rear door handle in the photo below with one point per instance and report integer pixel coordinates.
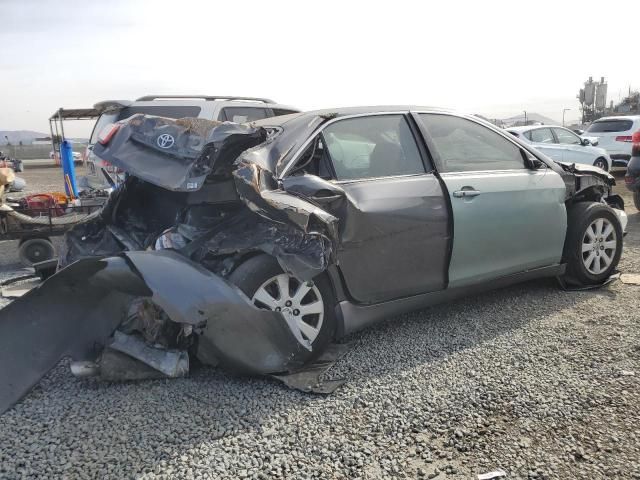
(466, 193)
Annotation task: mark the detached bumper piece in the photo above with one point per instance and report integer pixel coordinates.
(213, 318)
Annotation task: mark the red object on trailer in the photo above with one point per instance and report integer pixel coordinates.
(42, 204)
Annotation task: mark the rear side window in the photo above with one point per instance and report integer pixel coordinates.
(542, 135)
(610, 126)
(160, 111)
(466, 146)
(243, 114)
(370, 147)
(282, 111)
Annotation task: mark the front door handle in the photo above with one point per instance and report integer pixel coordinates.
(466, 192)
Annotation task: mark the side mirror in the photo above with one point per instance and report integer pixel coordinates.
(537, 164)
(314, 188)
(586, 142)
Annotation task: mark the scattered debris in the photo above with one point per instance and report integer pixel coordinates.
(630, 278)
(491, 475)
(309, 378)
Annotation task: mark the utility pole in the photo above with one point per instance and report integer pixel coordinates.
(525, 118)
(564, 110)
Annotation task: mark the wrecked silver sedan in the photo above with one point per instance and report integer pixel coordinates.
(254, 246)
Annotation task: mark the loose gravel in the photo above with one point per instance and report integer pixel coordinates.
(530, 379)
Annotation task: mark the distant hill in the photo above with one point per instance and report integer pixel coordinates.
(17, 136)
(28, 136)
(531, 118)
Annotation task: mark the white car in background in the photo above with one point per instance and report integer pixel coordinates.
(563, 145)
(614, 135)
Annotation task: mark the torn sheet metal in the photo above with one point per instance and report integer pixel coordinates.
(42, 327)
(243, 337)
(178, 154)
(172, 363)
(309, 378)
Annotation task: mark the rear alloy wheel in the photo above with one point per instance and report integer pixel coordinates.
(309, 304)
(601, 163)
(594, 243)
(297, 300)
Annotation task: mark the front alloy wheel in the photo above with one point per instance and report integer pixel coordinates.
(593, 244)
(599, 246)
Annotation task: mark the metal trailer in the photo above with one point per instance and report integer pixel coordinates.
(56, 124)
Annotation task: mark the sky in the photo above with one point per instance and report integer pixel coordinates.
(488, 57)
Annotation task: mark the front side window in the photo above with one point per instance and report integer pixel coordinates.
(566, 137)
(370, 147)
(466, 146)
(243, 114)
(542, 135)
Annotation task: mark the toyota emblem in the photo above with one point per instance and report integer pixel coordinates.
(165, 141)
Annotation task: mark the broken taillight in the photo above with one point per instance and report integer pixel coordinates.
(635, 148)
(107, 133)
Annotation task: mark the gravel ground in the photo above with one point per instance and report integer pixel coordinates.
(539, 382)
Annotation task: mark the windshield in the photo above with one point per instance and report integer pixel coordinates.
(610, 126)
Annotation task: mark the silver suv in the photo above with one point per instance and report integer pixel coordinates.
(222, 108)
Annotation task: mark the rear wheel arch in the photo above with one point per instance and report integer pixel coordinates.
(255, 269)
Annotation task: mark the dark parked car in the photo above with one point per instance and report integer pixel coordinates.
(632, 177)
(255, 245)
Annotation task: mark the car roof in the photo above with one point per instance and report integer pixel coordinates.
(348, 111)
(618, 117)
(532, 127)
(188, 100)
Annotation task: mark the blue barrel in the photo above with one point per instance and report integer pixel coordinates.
(68, 169)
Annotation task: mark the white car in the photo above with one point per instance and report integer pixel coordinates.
(563, 145)
(77, 156)
(614, 135)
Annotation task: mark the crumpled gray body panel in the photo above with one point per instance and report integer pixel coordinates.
(44, 325)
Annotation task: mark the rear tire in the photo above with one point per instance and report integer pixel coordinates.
(36, 250)
(601, 163)
(251, 277)
(636, 199)
(593, 244)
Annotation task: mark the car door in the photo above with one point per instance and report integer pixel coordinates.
(573, 150)
(507, 217)
(393, 216)
(543, 140)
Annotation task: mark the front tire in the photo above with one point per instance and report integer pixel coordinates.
(593, 244)
(601, 163)
(311, 304)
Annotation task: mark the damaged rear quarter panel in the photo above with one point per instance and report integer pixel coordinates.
(43, 326)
